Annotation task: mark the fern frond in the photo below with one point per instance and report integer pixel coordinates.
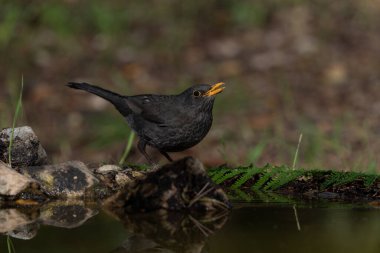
(211, 172)
(283, 177)
(349, 177)
(248, 174)
(229, 175)
(265, 177)
(369, 180)
(219, 173)
(340, 178)
(332, 179)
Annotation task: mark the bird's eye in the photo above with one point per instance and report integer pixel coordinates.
(196, 93)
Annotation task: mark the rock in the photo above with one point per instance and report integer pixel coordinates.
(66, 180)
(13, 183)
(180, 185)
(107, 168)
(115, 178)
(26, 148)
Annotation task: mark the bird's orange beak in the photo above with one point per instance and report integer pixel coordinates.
(215, 89)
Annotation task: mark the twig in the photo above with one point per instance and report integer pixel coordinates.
(200, 194)
(205, 230)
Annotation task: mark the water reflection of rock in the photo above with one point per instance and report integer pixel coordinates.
(67, 215)
(166, 231)
(180, 185)
(12, 221)
(23, 223)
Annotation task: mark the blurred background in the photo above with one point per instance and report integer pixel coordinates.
(291, 67)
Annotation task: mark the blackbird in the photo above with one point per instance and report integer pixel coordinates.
(169, 123)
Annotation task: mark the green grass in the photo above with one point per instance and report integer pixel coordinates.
(10, 246)
(15, 117)
(296, 153)
(128, 148)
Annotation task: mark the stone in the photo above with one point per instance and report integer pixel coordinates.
(107, 168)
(26, 148)
(13, 183)
(66, 180)
(181, 185)
(115, 178)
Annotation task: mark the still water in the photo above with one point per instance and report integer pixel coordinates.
(254, 227)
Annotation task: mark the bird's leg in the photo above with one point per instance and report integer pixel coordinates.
(166, 155)
(141, 146)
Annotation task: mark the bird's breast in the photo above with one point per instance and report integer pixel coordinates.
(184, 136)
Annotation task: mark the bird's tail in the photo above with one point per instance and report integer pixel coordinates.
(117, 100)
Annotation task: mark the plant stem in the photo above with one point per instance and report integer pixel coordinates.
(296, 154)
(11, 247)
(127, 148)
(17, 112)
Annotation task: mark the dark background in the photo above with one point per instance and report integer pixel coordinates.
(290, 67)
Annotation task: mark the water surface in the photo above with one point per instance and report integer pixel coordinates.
(254, 227)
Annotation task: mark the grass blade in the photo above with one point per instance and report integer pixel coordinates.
(296, 154)
(11, 247)
(17, 112)
(128, 148)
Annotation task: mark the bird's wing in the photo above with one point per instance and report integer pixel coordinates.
(152, 108)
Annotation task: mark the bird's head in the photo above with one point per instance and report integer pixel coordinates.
(202, 94)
